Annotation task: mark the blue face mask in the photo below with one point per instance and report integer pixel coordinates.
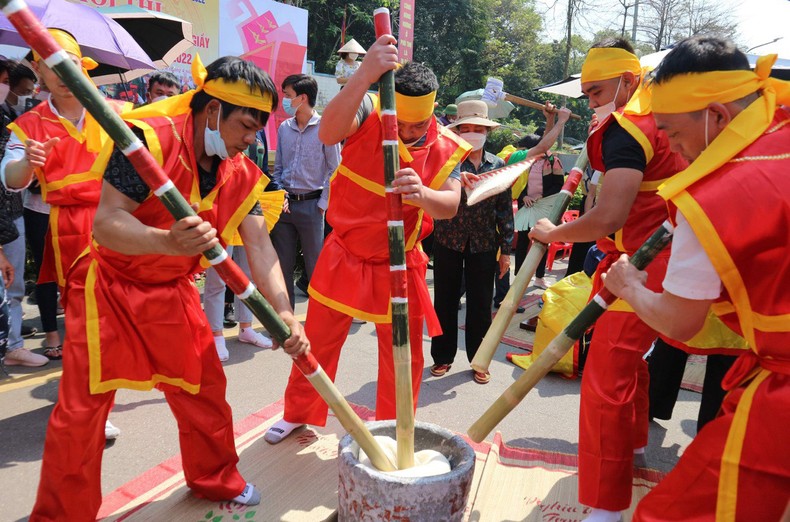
(288, 108)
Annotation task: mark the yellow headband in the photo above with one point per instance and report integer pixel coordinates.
(237, 93)
(603, 63)
(71, 46)
(414, 109)
(695, 91)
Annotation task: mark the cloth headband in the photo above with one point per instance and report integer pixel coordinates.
(237, 93)
(415, 109)
(71, 46)
(603, 63)
(693, 92)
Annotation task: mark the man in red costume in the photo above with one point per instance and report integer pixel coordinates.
(351, 278)
(133, 315)
(728, 121)
(59, 143)
(635, 158)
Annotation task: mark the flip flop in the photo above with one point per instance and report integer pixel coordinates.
(53, 353)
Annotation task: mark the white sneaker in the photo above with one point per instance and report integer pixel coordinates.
(358, 321)
(22, 357)
(111, 432)
(222, 350)
(250, 336)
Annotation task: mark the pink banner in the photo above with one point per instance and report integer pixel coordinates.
(406, 31)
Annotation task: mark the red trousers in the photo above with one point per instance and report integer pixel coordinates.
(760, 490)
(70, 486)
(327, 330)
(614, 413)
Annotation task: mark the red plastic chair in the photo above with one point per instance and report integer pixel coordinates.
(562, 248)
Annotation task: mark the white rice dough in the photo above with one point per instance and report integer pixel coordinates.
(427, 463)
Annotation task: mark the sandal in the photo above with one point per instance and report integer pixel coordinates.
(53, 353)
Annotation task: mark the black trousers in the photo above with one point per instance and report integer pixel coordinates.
(667, 364)
(36, 226)
(522, 248)
(450, 268)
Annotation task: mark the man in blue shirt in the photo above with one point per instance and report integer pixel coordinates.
(302, 167)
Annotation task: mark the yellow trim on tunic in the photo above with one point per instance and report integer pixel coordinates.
(727, 498)
(632, 129)
(353, 312)
(97, 385)
(151, 140)
(721, 260)
(243, 210)
(54, 215)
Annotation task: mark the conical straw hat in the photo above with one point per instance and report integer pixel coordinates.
(352, 47)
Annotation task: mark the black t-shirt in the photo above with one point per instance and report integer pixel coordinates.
(121, 174)
(621, 150)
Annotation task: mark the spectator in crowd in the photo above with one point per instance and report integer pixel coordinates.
(449, 115)
(348, 64)
(162, 85)
(14, 82)
(466, 246)
(302, 167)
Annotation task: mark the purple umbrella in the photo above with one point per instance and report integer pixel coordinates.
(99, 37)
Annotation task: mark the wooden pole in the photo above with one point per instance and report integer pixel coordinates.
(401, 351)
(533, 104)
(558, 347)
(507, 308)
(39, 39)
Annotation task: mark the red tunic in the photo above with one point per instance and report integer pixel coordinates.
(145, 323)
(357, 250)
(738, 467)
(70, 182)
(649, 210)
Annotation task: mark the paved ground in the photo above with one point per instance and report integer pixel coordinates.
(547, 419)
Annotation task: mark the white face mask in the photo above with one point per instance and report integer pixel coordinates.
(4, 90)
(475, 139)
(706, 127)
(212, 141)
(606, 109)
(353, 56)
(21, 103)
(160, 98)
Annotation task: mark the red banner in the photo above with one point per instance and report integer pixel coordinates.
(406, 31)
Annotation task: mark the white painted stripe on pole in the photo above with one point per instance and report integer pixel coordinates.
(391, 143)
(397, 268)
(57, 58)
(219, 259)
(400, 300)
(13, 6)
(566, 192)
(134, 146)
(381, 10)
(389, 190)
(316, 373)
(388, 112)
(669, 226)
(598, 299)
(164, 188)
(577, 169)
(247, 292)
(395, 223)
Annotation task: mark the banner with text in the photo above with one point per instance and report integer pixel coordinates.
(406, 31)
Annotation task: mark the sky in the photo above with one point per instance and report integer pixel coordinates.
(759, 21)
